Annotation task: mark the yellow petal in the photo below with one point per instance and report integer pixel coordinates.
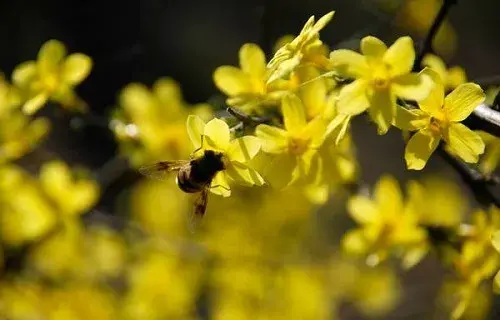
(382, 109)
(435, 63)
(253, 60)
(232, 81)
(220, 185)
(50, 55)
(279, 170)
(410, 119)
(355, 242)
(55, 178)
(412, 86)
(24, 74)
(348, 63)
(362, 209)
(460, 103)
(456, 77)
(373, 48)
(217, 134)
(400, 56)
(243, 149)
(388, 196)
(323, 21)
(434, 102)
(243, 174)
(76, 68)
(495, 240)
(353, 98)
(195, 129)
(273, 140)
(36, 103)
(464, 142)
(420, 147)
(313, 94)
(293, 111)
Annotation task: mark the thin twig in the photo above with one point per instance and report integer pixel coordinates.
(427, 44)
(486, 119)
(245, 118)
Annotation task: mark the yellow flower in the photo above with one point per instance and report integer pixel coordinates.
(71, 196)
(215, 135)
(26, 214)
(491, 157)
(53, 76)
(294, 148)
(381, 76)
(247, 86)
(283, 41)
(386, 223)
(150, 124)
(306, 46)
(452, 77)
(435, 195)
(439, 118)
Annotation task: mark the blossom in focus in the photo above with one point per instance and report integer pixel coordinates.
(381, 75)
(215, 135)
(293, 148)
(150, 124)
(247, 87)
(439, 117)
(53, 76)
(452, 77)
(386, 223)
(305, 47)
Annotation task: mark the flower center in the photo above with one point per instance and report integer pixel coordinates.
(381, 77)
(298, 145)
(380, 83)
(435, 125)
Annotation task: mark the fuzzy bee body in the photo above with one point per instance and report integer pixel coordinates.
(199, 173)
(193, 176)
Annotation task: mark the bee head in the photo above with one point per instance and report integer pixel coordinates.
(214, 159)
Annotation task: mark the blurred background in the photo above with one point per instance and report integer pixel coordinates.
(141, 41)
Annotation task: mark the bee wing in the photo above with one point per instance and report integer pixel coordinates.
(198, 210)
(161, 170)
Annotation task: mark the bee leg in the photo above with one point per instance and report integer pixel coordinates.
(218, 185)
(191, 156)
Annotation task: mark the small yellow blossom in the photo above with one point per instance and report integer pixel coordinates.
(294, 148)
(452, 77)
(386, 223)
(71, 196)
(150, 124)
(381, 76)
(53, 76)
(247, 86)
(215, 135)
(439, 118)
(305, 47)
(489, 161)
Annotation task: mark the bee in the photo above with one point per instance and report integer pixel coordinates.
(193, 176)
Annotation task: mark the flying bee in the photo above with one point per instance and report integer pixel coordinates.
(193, 176)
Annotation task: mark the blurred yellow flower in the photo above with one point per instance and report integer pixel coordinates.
(451, 78)
(19, 134)
(161, 285)
(294, 148)
(305, 47)
(26, 214)
(215, 135)
(386, 223)
(489, 161)
(439, 118)
(150, 125)
(72, 196)
(247, 86)
(437, 201)
(53, 76)
(381, 76)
